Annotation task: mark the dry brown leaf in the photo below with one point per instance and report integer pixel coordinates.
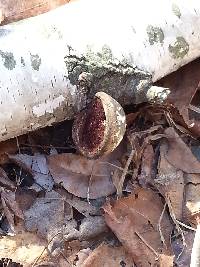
(81, 176)
(192, 197)
(131, 117)
(183, 85)
(25, 198)
(179, 154)
(183, 254)
(51, 210)
(37, 166)
(11, 207)
(107, 256)
(170, 183)
(10, 147)
(5, 181)
(134, 220)
(23, 248)
(147, 166)
(90, 227)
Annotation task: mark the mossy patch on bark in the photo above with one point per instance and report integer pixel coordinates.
(176, 10)
(35, 61)
(155, 35)
(126, 83)
(9, 60)
(179, 49)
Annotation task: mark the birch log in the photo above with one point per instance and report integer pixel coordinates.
(50, 65)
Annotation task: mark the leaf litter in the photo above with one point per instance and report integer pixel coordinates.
(138, 206)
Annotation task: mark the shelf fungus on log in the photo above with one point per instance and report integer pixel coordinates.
(98, 129)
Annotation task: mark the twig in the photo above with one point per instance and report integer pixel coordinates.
(145, 242)
(159, 225)
(125, 171)
(174, 219)
(111, 164)
(43, 147)
(195, 256)
(19, 151)
(195, 109)
(46, 247)
(89, 184)
(176, 223)
(186, 226)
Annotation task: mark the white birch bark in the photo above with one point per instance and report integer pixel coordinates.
(120, 47)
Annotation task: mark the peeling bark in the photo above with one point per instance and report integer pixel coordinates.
(53, 64)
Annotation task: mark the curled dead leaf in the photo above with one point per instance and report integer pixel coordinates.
(108, 256)
(179, 154)
(81, 176)
(135, 220)
(170, 182)
(183, 85)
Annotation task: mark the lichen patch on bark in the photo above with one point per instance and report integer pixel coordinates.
(119, 79)
(9, 60)
(155, 35)
(176, 10)
(179, 49)
(35, 61)
(22, 62)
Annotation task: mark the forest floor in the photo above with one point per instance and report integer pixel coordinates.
(137, 206)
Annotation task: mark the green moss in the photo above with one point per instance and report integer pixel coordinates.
(180, 48)
(9, 61)
(155, 35)
(35, 61)
(176, 10)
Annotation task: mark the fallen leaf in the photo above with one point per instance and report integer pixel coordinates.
(107, 256)
(81, 176)
(10, 146)
(23, 160)
(37, 166)
(145, 177)
(179, 154)
(11, 207)
(135, 220)
(82, 255)
(5, 181)
(50, 211)
(183, 85)
(90, 227)
(170, 182)
(183, 254)
(81, 205)
(23, 248)
(25, 198)
(131, 117)
(192, 197)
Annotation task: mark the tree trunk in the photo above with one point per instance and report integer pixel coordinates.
(52, 64)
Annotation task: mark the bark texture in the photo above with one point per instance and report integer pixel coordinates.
(52, 64)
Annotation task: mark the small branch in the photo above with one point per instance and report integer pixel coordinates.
(159, 225)
(125, 171)
(145, 242)
(195, 256)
